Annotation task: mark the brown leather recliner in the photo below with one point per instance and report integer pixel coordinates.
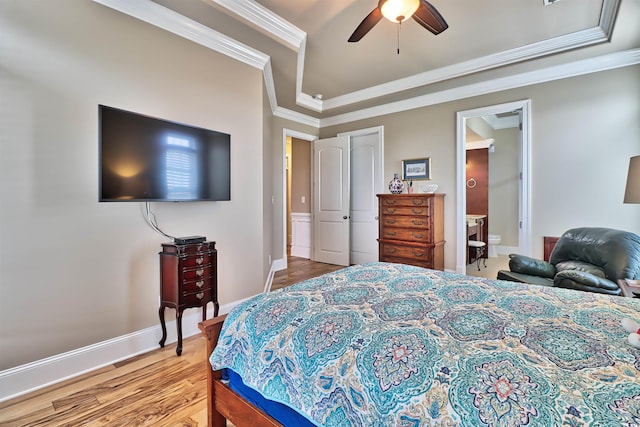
(589, 259)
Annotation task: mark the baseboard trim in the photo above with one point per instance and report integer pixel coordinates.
(15, 382)
(277, 265)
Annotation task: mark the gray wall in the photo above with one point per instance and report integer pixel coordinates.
(300, 176)
(74, 272)
(503, 186)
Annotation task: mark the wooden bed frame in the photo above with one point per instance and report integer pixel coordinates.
(223, 403)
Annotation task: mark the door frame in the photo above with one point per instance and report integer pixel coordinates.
(524, 237)
(283, 262)
(305, 137)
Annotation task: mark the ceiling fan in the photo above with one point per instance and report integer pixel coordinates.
(399, 11)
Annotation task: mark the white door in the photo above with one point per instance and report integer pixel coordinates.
(331, 163)
(366, 182)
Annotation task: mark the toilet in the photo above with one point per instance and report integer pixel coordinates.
(494, 240)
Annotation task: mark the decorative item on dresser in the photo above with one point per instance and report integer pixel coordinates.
(188, 278)
(411, 229)
(396, 185)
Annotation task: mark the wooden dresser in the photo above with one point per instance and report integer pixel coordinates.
(188, 278)
(411, 229)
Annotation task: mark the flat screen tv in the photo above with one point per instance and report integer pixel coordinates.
(145, 159)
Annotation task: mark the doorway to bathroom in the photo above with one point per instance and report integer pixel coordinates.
(493, 187)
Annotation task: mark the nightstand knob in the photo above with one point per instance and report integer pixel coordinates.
(200, 295)
(200, 283)
(199, 260)
(199, 273)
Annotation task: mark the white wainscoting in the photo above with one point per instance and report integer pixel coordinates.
(301, 234)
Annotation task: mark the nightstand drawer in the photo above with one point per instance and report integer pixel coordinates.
(189, 274)
(198, 260)
(197, 285)
(196, 298)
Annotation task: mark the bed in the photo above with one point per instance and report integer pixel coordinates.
(385, 344)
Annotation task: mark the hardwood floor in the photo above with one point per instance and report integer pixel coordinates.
(299, 269)
(155, 389)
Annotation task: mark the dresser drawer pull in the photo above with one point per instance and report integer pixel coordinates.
(389, 221)
(390, 202)
(390, 210)
(200, 295)
(390, 250)
(417, 222)
(417, 211)
(418, 235)
(200, 283)
(390, 233)
(199, 260)
(418, 202)
(419, 253)
(200, 272)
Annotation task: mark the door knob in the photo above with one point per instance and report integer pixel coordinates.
(344, 217)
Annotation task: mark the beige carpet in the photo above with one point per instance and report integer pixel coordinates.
(491, 270)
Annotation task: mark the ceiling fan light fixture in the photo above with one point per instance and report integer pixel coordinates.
(399, 10)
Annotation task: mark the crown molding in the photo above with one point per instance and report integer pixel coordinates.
(285, 32)
(288, 33)
(304, 119)
(270, 23)
(573, 69)
(166, 19)
(532, 51)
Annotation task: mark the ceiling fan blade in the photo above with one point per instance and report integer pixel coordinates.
(429, 17)
(366, 25)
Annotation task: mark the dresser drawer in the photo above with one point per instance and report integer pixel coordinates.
(405, 210)
(409, 261)
(406, 234)
(405, 221)
(404, 200)
(418, 253)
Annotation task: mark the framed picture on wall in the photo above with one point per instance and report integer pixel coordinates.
(416, 169)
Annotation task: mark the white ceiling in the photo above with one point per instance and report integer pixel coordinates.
(490, 45)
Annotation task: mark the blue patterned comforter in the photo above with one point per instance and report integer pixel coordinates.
(393, 345)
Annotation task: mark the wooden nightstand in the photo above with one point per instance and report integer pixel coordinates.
(188, 278)
(627, 291)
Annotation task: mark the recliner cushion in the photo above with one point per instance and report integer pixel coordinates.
(531, 266)
(580, 266)
(580, 280)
